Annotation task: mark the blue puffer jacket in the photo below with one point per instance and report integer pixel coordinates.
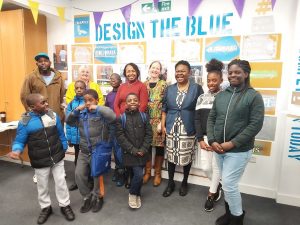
(72, 133)
(45, 137)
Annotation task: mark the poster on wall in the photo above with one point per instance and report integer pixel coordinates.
(82, 54)
(159, 50)
(105, 53)
(82, 28)
(266, 74)
(262, 148)
(295, 98)
(187, 49)
(268, 130)
(60, 59)
(261, 47)
(269, 97)
(196, 74)
(75, 72)
(222, 48)
(132, 52)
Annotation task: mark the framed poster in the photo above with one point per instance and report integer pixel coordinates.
(266, 74)
(222, 48)
(187, 49)
(262, 47)
(132, 52)
(82, 54)
(82, 28)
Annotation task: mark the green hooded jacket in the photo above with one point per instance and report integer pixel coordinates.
(236, 116)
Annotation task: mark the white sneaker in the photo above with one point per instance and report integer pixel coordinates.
(138, 202)
(34, 179)
(132, 201)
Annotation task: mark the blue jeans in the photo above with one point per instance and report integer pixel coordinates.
(117, 151)
(137, 180)
(232, 166)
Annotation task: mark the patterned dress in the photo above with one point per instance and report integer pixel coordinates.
(156, 95)
(180, 147)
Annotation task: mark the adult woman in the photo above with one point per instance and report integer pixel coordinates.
(204, 104)
(236, 117)
(132, 85)
(84, 75)
(156, 89)
(178, 124)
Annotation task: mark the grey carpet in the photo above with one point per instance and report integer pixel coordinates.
(18, 204)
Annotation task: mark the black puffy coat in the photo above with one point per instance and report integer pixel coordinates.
(135, 136)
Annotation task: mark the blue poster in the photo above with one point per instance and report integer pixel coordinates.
(82, 28)
(105, 53)
(222, 48)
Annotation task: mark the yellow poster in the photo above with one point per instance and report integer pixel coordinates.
(262, 148)
(269, 97)
(266, 74)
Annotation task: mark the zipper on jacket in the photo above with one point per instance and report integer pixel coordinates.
(47, 141)
(224, 135)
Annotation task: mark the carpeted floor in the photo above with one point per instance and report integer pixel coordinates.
(18, 204)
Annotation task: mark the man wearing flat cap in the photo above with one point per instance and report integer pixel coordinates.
(46, 81)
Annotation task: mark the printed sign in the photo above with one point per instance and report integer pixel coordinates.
(105, 53)
(82, 28)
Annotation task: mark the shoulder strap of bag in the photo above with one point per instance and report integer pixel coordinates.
(123, 119)
(86, 131)
(144, 117)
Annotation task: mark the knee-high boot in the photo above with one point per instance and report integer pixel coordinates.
(147, 174)
(157, 166)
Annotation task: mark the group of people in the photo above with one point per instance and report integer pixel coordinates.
(137, 119)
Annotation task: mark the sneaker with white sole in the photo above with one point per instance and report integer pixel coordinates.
(209, 204)
(218, 194)
(34, 178)
(138, 202)
(132, 201)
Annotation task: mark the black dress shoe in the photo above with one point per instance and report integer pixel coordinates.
(183, 190)
(44, 215)
(87, 205)
(73, 187)
(68, 213)
(97, 204)
(169, 190)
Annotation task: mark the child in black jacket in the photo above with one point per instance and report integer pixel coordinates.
(134, 134)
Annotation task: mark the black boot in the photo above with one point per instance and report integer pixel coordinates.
(237, 220)
(170, 188)
(225, 219)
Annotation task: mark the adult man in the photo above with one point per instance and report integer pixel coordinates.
(46, 81)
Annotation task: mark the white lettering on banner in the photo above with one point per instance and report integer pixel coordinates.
(294, 146)
(166, 27)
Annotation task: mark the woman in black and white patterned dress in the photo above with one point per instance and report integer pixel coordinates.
(178, 123)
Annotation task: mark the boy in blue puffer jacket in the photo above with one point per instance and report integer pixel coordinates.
(41, 129)
(72, 133)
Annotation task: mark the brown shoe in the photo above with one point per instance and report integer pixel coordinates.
(147, 174)
(157, 166)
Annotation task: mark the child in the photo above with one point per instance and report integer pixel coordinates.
(134, 134)
(204, 104)
(118, 176)
(72, 133)
(41, 129)
(98, 118)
